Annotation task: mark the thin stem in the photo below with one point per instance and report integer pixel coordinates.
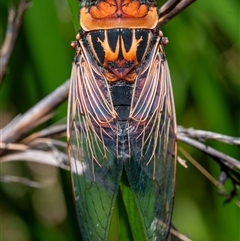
(225, 159)
(23, 124)
(13, 27)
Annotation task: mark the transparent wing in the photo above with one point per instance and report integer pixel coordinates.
(151, 165)
(92, 142)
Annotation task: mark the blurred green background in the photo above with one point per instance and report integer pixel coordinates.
(203, 55)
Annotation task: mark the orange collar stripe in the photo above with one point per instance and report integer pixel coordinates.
(89, 23)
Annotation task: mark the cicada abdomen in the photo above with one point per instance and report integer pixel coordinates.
(121, 115)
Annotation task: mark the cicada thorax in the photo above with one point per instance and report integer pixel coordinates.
(119, 34)
(119, 51)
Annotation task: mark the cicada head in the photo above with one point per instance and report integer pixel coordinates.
(110, 14)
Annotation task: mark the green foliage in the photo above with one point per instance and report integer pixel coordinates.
(203, 55)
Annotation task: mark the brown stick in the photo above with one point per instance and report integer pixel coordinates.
(14, 24)
(23, 124)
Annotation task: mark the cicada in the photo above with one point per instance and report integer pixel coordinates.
(121, 115)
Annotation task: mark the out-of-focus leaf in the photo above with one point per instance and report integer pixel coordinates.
(74, 10)
(132, 211)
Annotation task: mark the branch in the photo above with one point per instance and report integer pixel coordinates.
(230, 167)
(41, 150)
(225, 159)
(37, 114)
(22, 180)
(13, 27)
(171, 8)
(207, 135)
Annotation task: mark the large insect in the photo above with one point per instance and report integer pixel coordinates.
(121, 115)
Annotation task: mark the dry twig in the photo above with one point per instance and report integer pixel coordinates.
(13, 27)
